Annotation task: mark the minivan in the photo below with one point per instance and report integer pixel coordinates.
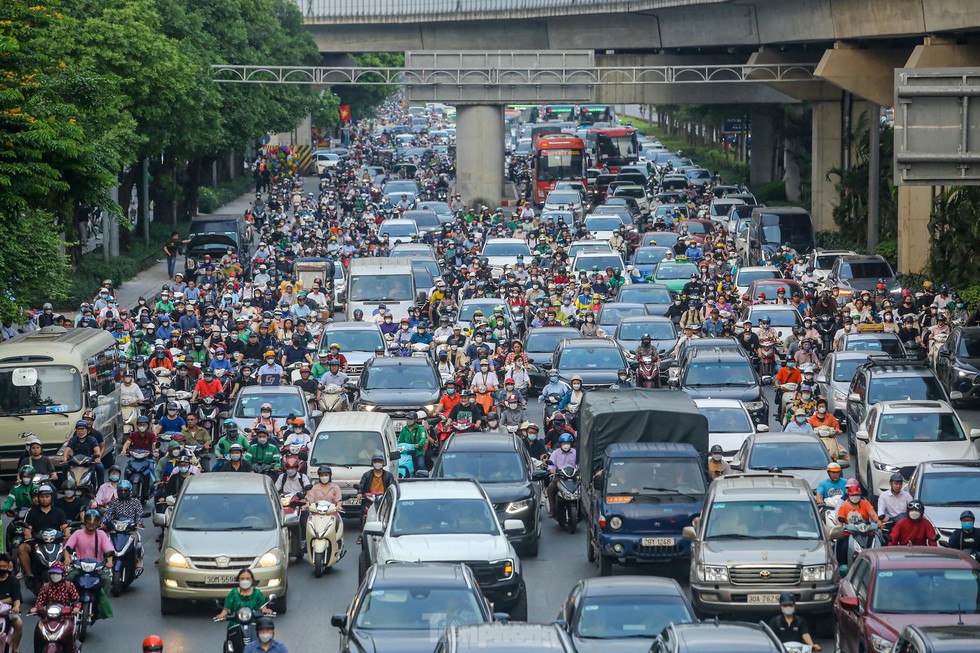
(772, 227)
(346, 441)
(380, 280)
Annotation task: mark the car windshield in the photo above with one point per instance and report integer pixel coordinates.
(945, 488)
(896, 388)
(545, 340)
(645, 294)
(919, 427)
(444, 517)
(826, 262)
(418, 608)
(729, 373)
(40, 389)
(380, 288)
(771, 290)
(676, 271)
(778, 318)
(395, 230)
(603, 224)
(468, 308)
(506, 249)
(483, 466)
(591, 358)
(615, 617)
(926, 591)
(423, 218)
(345, 448)
(655, 477)
(630, 191)
(612, 314)
(399, 377)
(797, 230)
(844, 368)
(563, 197)
(890, 346)
(436, 207)
(866, 270)
(598, 261)
(746, 277)
(352, 339)
(283, 404)
(970, 345)
(592, 246)
(661, 238)
(727, 420)
(660, 330)
(224, 512)
(696, 227)
(646, 256)
(805, 454)
(791, 520)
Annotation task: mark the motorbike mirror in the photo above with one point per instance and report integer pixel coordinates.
(421, 473)
(160, 519)
(634, 365)
(561, 623)
(513, 526)
(844, 464)
(171, 500)
(540, 475)
(290, 520)
(944, 351)
(767, 380)
(306, 488)
(339, 621)
(316, 414)
(762, 428)
(546, 365)
(434, 420)
(92, 399)
(689, 534)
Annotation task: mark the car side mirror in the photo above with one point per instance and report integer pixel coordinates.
(316, 414)
(542, 474)
(849, 603)
(855, 397)
(339, 621)
(513, 526)
(766, 380)
(596, 482)
(736, 465)
(290, 520)
(160, 519)
(373, 528)
(955, 395)
(394, 455)
(844, 464)
(689, 534)
(561, 623)
(974, 434)
(421, 473)
(863, 435)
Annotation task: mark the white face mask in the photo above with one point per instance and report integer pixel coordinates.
(324, 479)
(566, 447)
(378, 465)
(265, 636)
(914, 514)
(716, 457)
(788, 610)
(577, 386)
(854, 498)
(244, 584)
(56, 578)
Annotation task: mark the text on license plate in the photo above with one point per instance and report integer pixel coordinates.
(219, 580)
(657, 541)
(353, 501)
(765, 599)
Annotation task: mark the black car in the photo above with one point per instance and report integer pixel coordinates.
(500, 463)
(539, 345)
(958, 363)
(399, 386)
(711, 374)
(505, 638)
(713, 636)
(624, 614)
(596, 360)
(663, 335)
(399, 607)
(655, 296)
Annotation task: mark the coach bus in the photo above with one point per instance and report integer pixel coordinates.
(557, 157)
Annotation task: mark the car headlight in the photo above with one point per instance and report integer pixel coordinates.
(965, 373)
(508, 568)
(366, 407)
(175, 559)
(270, 559)
(813, 573)
(754, 405)
(616, 523)
(515, 507)
(881, 645)
(883, 467)
(713, 574)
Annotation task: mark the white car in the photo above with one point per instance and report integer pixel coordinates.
(586, 261)
(502, 253)
(603, 227)
(564, 200)
(898, 435)
(578, 246)
(326, 161)
(783, 316)
(399, 229)
(822, 260)
(729, 424)
(745, 276)
(719, 209)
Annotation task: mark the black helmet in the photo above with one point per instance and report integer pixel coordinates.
(717, 449)
(69, 484)
(492, 415)
(265, 623)
(787, 598)
(325, 469)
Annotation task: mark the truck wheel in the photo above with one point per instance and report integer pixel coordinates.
(605, 565)
(519, 611)
(590, 547)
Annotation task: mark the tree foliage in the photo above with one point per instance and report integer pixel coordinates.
(364, 100)
(954, 234)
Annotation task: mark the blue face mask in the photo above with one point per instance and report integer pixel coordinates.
(966, 525)
(790, 364)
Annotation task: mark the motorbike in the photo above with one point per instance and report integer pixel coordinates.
(828, 436)
(242, 633)
(551, 402)
(366, 504)
(786, 392)
(571, 415)
(292, 503)
(420, 350)
(138, 472)
(824, 325)
(54, 632)
(82, 469)
(334, 399)
(208, 411)
(406, 463)
(122, 533)
(863, 535)
(14, 535)
(297, 451)
(89, 586)
(6, 628)
(567, 499)
(324, 536)
(648, 373)
(767, 358)
(48, 548)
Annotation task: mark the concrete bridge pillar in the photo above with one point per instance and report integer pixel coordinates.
(763, 151)
(826, 151)
(480, 153)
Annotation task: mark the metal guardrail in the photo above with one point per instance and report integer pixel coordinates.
(420, 11)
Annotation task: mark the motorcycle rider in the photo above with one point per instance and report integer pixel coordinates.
(893, 503)
(35, 456)
(107, 491)
(21, 492)
(265, 630)
(142, 437)
(822, 417)
(556, 429)
(325, 489)
(535, 447)
(262, 451)
(72, 502)
(292, 481)
(266, 419)
(564, 456)
(914, 530)
(855, 504)
(789, 626)
(833, 485)
(126, 506)
(717, 467)
(237, 461)
(414, 433)
(799, 423)
(42, 516)
(82, 443)
(245, 595)
(55, 592)
(468, 411)
(512, 414)
(623, 380)
(92, 543)
(333, 375)
(10, 593)
(376, 480)
(965, 537)
(230, 437)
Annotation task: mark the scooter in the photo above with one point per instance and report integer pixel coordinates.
(420, 350)
(292, 503)
(138, 472)
(786, 392)
(648, 373)
(49, 548)
(14, 534)
(406, 463)
(863, 535)
(243, 632)
(567, 499)
(82, 469)
(828, 435)
(89, 586)
(122, 533)
(767, 358)
(324, 536)
(54, 632)
(333, 399)
(551, 402)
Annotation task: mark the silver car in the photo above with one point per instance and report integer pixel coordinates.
(835, 378)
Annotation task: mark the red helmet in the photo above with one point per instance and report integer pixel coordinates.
(762, 295)
(852, 487)
(152, 643)
(291, 462)
(508, 381)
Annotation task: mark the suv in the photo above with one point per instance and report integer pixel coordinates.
(722, 375)
(958, 362)
(596, 360)
(888, 379)
(358, 342)
(399, 386)
(852, 274)
(446, 521)
(759, 536)
(946, 488)
(898, 435)
(712, 636)
(222, 523)
(403, 606)
(501, 464)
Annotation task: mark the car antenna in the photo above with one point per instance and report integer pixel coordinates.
(959, 615)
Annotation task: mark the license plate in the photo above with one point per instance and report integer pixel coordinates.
(353, 501)
(657, 541)
(763, 599)
(219, 580)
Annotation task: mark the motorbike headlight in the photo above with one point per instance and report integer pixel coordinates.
(88, 566)
(616, 523)
(814, 573)
(120, 526)
(515, 507)
(712, 574)
(54, 612)
(881, 645)
(47, 536)
(244, 615)
(884, 467)
(270, 559)
(175, 559)
(754, 405)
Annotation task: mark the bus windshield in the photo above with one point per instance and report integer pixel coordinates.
(616, 150)
(40, 390)
(555, 165)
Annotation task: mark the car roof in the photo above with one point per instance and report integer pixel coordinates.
(759, 268)
(439, 488)
(959, 637)
(482, 442)
(589, 342)
(914, 406)
(946, 466)
(425, 573)
(646, 319)
(920, 557)
(352, 420)
(718, 635)
(748, 487)
(630, 585)
(226, 484)
(779, 308)
(506, 240)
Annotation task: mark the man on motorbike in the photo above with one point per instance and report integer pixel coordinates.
(83, 443)
(91, 543)
(914, 530)
(623, 380)
(893, 503)
(413, 433)
(10, 593)
(43, 516)
(230, 437)
(564, 456)
(556, 430)
(789, 626)
(799, 423)
(21, 491)
(468, 411)
(965, 538)
(535, 446)
(265, 631)
(126, 506)
(717, 467)
(262, 451)
(333, 375)
(376, 480)
(171, 421)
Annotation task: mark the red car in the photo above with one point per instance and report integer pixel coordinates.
(771, 289)
(697, 228)
(892, 587)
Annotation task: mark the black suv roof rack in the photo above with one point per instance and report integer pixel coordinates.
(897, 361)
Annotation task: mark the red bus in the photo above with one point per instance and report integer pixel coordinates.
(557, 157)
(612, 147)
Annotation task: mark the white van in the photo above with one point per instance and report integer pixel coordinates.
(380, 280)
(346, 441)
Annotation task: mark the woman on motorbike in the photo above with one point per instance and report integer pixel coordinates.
(266, 419)
(246, 595)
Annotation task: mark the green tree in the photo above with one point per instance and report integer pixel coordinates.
(364, 100)
(326, 110)
(954, 234)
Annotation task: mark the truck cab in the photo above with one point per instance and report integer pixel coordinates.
(640, 502)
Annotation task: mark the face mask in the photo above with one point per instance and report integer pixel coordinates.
(114, 478)
(888, 318)
(791, 364)
(716, 457)
(566, 447)
(492, 423)
(324, 479)
(914, 514)
(822, 410)
(854, 498)
(532, 436)
(966, 525)
(291, 472)
(553, 379)
(450, 391)
(800, 419)
(266, 413)
(236, 456)
(56, 578)
(622, 377)
(377, 465)
(806, 396)
(788, 610)
(806, 347)
(265, 637)
(159, 355)
(184, 469)
(577, 386)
